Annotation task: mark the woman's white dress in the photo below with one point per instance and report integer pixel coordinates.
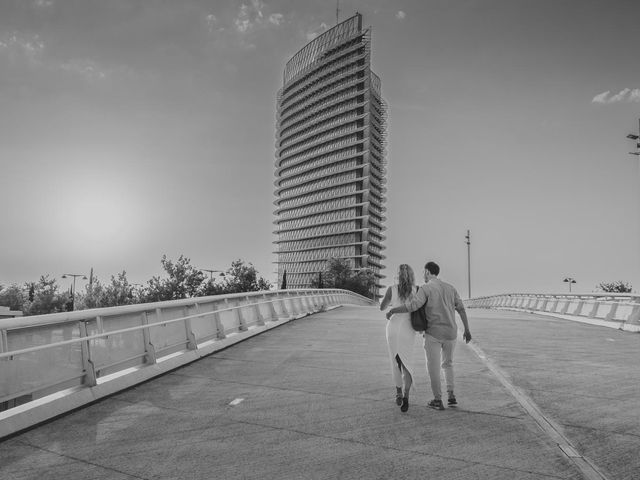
(400, 339)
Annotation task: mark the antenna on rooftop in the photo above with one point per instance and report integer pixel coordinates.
(337, 11)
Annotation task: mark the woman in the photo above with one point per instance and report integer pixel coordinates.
(400, 335)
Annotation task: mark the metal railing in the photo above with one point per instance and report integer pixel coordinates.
(623, 308)
(47, 356)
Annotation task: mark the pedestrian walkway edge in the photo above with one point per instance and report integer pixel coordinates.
(554, 431)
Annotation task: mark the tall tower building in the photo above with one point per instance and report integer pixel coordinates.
(330, 163)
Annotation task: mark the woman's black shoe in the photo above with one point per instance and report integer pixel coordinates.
(405, 404)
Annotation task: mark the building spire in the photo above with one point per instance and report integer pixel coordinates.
(337, 11)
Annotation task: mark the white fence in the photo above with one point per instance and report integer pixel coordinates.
(50, 364)
(622, 308)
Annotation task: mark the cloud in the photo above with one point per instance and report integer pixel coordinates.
(212, 21)
(276, 18)
(252, 15)
(401, 15)
(620, 96)
(88, 69)
(601, 97)
(626, 95)
(249, 15)
(316, 31)
(22, 49)
(43, 3)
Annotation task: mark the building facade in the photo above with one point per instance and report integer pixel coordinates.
(330, 163)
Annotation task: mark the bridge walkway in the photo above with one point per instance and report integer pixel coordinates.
(540, 398)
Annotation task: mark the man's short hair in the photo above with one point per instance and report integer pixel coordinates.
(433, 268)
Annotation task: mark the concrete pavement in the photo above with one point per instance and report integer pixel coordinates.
(540, 398)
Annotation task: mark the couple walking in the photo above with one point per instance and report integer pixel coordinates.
(440, 301)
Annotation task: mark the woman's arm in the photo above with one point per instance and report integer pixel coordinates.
(386, 299)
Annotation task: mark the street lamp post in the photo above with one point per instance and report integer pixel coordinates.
(569, 280)
(73, 286)
(211, 272)
(636, 139)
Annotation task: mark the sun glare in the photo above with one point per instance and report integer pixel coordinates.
(97, 217)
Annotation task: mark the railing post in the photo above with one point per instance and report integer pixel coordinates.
(295, 304)
(90, 378)
(634, 318)
(283, 306)
(149, 349)
(594, 310)
(4, 345)
(304, 308)
(219, 325)
(191, 338)
(578, 310)
(272, 309)
(612, 312)
(259, 318)
(242, 324)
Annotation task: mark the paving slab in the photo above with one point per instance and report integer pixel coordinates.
(314, 399)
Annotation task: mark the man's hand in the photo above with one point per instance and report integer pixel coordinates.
(389, 314)
(467, 336)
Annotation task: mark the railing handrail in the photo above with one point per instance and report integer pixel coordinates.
(64, 317)
(145, 326)
(561, 295)
(621, 308)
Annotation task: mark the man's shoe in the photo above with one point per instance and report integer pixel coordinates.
(452, 402)
(436, 404)
(398, 399)
(405, 404)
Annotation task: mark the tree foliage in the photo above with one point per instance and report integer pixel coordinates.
(615, 287)
(181, 280)
(339, 274)
(46, 298)
(244, 278)
(12, 297)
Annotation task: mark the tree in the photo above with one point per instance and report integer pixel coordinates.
(615, 287)
(46, 298)
(92, 296)
(118, 292)
(12, 297)
(244, 278)
(184, 281)
(339, 274)
(210, 287)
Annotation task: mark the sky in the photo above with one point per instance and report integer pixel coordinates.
(132, 130)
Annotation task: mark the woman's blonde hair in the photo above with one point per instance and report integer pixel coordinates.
(406, 280)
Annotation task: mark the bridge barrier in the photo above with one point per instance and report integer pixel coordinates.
(623, 308)
(51, 364)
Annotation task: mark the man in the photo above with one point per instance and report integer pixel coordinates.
(440, 301)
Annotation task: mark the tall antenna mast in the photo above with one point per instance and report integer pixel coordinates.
(337, 11)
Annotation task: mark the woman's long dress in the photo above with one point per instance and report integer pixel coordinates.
(400, 340)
